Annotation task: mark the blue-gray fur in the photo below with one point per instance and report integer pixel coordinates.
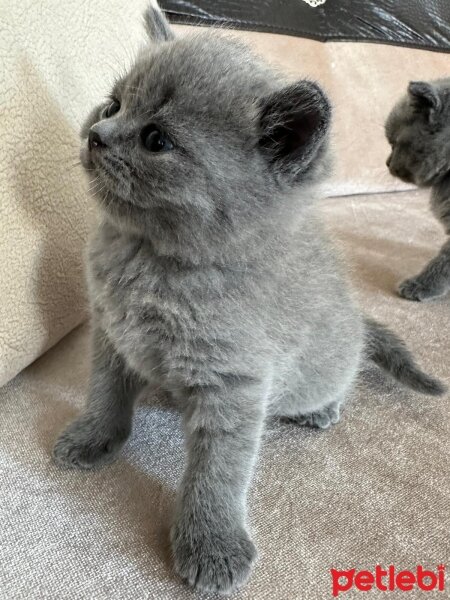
(418, 129)
(389, 352)
(156, 25)
(210, 275)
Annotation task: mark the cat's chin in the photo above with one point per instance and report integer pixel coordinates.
(117, 212)
(125, 226)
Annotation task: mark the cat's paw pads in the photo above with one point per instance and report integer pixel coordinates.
(322, 419)
(84, 444)
(213, 562)
(415, 289)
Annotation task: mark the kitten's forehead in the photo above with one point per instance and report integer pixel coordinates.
(400, 116)
(195, 69)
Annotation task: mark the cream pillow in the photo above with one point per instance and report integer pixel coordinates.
(57, 59)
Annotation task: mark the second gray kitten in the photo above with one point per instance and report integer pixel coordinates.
(210, 276)
(418, 129)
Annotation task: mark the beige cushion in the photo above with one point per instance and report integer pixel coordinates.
(57, 60)
(373, 489)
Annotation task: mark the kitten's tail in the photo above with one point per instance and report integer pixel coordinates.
(389, 352)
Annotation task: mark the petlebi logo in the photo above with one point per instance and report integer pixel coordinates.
(388, 580)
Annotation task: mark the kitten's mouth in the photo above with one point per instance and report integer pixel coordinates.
(86, 158)
(111, 173)
(402, 174)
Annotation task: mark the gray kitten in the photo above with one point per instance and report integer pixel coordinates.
(418, 130)
(210, 276)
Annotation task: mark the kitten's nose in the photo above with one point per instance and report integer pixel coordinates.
(94, 140)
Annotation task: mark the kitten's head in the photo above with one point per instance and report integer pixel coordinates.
(201, 136)
(418, 129)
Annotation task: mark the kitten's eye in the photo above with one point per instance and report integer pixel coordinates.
(111, 109)
(154, 140)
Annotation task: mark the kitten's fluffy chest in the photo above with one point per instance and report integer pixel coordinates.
(137, 303)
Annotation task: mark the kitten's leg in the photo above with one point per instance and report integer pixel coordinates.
(95, 437)
(433, 281)
(212, 549)
(323, 418)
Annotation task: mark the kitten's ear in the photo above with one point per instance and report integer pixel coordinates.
(424, 96)
(294, 122)
(157, 25)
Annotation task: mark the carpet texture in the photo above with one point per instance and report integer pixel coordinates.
(372, 490)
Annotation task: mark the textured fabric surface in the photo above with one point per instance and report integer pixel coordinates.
(373, 489)
(55, 61)
(58, 60)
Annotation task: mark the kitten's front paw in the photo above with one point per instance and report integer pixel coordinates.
(213, 561)
(418, 290)
(86, 443)
(322, 419)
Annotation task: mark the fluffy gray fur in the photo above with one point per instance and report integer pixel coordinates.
(418, 130)
(210, 276)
